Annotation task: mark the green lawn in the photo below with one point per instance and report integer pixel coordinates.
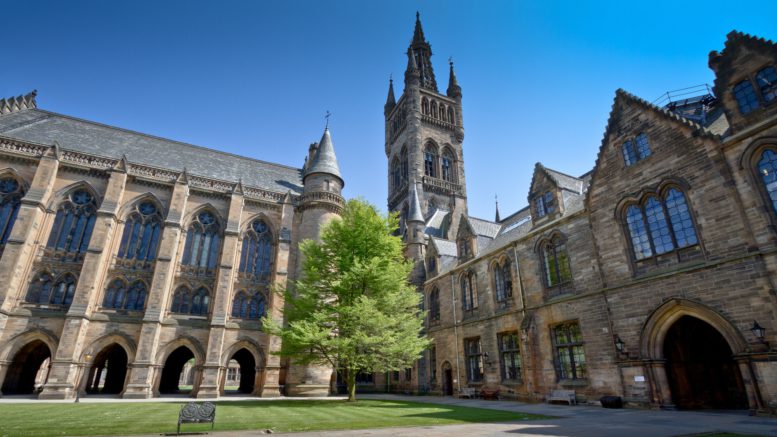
(42, 420)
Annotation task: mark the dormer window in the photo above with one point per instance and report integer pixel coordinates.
(545, 204)
(431, 264)
(464, 249)
(635, 150)
(746, 98)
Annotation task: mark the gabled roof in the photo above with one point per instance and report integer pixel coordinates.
(44, 127)
(444, 247)
(483, 227)
(435, 223)
(562, 180)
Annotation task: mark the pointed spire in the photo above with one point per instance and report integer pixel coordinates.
(414, 215)
(496, 218)
(324, 160)
(390, 100)
(419, 65)
(454, 90)
(418, 32)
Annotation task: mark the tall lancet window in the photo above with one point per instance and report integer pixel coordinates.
(10, 200)
(203, 241)
(74, 224)
(257, 256)
(141, 233)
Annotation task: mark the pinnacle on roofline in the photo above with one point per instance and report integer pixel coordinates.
(19, 103)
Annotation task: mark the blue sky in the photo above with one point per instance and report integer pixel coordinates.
(256, 78)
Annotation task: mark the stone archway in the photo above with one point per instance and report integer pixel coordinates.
(28, 370)
(240, 376)
(108, 371)
(178, 372)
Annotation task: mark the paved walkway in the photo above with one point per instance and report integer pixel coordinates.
(582, 421)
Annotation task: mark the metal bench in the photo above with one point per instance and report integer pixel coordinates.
(468, 392)
(193, 413)
(563, 396)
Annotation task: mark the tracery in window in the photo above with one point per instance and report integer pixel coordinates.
(660, 224)
(11, 194)
(570, 356)
(142, 230)
(44, 290)
(249, 306)
(503, 282)
(746, 98)
(509, 356)
(430, 161)
(203, 241)
(257, 255)
(120, 296)
(555, 262)
(186, 301)
(767, 83)
(74, 223)
(447, 166)
(468, 291)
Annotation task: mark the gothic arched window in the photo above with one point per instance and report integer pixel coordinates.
(451, 118)
(119, 296)
(555, 262)
(74, 223)
(403, 162)
(767, 168)
(425, 106)
(447, 166)
(245, 306)
(40, 288)
(42, 291)
(469, 298)
(396, 175)
(141, 233)
(442, 112)
(10, 200)
(503, 282)
(434, 305)
(186, 301)
(257, 256)
(202, 242)
(434, 109)
(660, 224)
(430, 160)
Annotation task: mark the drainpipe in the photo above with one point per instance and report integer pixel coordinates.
(455, 329)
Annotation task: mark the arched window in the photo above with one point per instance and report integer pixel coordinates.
(430, 160)
(468, 292)
(503, 282)
(141, 233)
(74, 223)
(442, 112)
(257, 256)
(451, 118)
(202, 242)
(404, 163)
(10, 200)
(447, 166)
(119, 296)
(660, 225)
(767, 168)
(186, 301)
(434, 109)
(425, 106)
(396, 175)
(42, 291)
(245, 306)
(434, 305)
(555, 262)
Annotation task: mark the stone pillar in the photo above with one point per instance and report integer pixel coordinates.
(272, 366)
(19, 251)
(66, 365)
(225, 279)
(662, 393)
(751, 384)
(143, 370)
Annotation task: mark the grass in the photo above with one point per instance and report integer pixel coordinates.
(42, 420)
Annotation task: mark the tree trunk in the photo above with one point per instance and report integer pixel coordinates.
(351, 378)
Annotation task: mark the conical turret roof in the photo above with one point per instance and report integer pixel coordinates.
(414, 215)
(324, 160)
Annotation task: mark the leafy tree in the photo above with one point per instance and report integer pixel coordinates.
(353, 307)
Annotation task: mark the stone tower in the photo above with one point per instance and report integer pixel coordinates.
(321, 201)
(424, 136)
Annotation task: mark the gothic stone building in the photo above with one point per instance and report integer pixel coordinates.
(651, 277)
(127, 258)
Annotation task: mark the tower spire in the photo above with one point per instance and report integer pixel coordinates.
(414, 215)
(496, 200)
(421, 53)
(454, 90)
(390, 100)
(418, 32)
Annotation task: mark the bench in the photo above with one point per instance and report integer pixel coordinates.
(193, 413)
(489, 393)
(563, 396)
(468, 392)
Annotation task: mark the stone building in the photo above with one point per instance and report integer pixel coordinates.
(126, 256)
(651, 277)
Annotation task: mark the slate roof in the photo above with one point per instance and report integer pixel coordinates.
(324, 161)
(435, 222)
(44, 127)
(484, 227)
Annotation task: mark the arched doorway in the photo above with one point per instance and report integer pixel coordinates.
(178, 373)
(28, 370)
(447, 379)
(241, 373)
(700, 367)
(108, 371)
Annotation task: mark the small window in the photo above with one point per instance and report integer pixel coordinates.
(41, 290)
(767, 83)
(509, 356)
(186, 301)
(503, 282)
(636, 149)
(248, 306)
(433, 363)
(545, 204)
(468, 292)
(474, 359)
(434, 305)
(431, 265)
(746, 98)
(570, 356)
(555, 262)
(464, 248)
(120, 296)
(430, 162)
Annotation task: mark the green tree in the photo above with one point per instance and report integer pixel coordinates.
(353, 307)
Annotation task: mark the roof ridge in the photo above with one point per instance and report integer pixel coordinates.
(736, 35)
(168, 139)
(673, 115)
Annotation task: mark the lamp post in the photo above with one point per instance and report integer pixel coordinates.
(758, 331)
(87, 359)
(619, 344)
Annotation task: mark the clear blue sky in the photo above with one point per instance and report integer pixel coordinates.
(255, 78)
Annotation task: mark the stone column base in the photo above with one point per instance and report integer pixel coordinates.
(57, 391)
(207, 391)
(307, 390)
(271, 391)
(138, 391)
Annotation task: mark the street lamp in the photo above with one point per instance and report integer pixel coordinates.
(619, 344)
(758, 331)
